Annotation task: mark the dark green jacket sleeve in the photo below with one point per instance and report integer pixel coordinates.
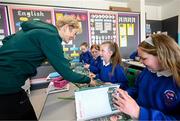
(51, 46)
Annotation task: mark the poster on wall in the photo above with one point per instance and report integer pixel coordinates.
(4, 29)
(128, 32)
(103, 27)
(21, 14)
(72, 49)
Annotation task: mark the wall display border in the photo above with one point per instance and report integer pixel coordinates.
(5, 26)
(72, 48)
(106, 27)
(89, 37)
(128, 32)
(28, 13)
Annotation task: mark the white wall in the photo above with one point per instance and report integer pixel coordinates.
(139, 6)
(134, 5)
(165, 11)
(153, 12)
(170, 10)
(143, 20)
(94, 4)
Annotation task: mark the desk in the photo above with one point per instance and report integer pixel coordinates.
(63, 110)
(59, 109)
(133, 63)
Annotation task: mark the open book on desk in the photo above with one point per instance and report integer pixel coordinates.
(95, 102)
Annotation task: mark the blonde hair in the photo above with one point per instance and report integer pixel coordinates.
(116, 56)
(67, 20)
(167, 51)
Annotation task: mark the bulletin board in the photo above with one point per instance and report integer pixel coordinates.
(103, 27)
(21, 14)
(97, 25)
(4, 29)
(128, 32)
(72, 49)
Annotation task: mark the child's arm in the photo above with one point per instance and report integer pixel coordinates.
(121, 77)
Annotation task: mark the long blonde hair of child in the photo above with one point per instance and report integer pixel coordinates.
(167, 51)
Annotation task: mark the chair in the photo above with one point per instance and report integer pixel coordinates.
(27, 86)
(132, 75)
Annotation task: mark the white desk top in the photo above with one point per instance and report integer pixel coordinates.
(59, 109)
(132, 62)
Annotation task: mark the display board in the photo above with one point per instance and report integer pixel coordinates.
(97, 26)
(21, 14)
(152, 26)
(72, 49)
(170, 26)
(4, 29)
(128, 26)
(103, 27)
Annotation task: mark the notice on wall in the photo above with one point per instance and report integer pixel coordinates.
(4, 29)
(72, 48)
(130, 29)
(103, 27)
(21, 14)
(123, 40)
(122, 29)
(128, 26)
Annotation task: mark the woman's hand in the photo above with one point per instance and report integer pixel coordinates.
(124, 103)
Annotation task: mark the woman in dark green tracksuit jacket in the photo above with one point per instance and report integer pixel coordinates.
(23, 52)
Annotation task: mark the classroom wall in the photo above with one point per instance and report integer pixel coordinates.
(139, 6)
(94, 4)
(171, 10)
(142, 20)
(156, 25)
(164, 12)
(170, 25)
(128, 46)
(153, 12)
(135, 5)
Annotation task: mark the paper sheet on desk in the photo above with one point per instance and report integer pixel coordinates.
(93, 103)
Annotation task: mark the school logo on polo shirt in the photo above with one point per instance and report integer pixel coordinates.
(169, 97)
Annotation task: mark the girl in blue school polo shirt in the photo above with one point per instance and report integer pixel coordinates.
(157, 89)
(110, 70)
(85, 56)
(96, 61)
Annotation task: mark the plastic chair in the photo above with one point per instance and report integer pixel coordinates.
(132, 75)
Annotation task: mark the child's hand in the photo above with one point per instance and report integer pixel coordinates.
(91, 75)
(83, 85)
(114, 118)
(126, 104)
(92, 82)
(108, 83)
(86, 66)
